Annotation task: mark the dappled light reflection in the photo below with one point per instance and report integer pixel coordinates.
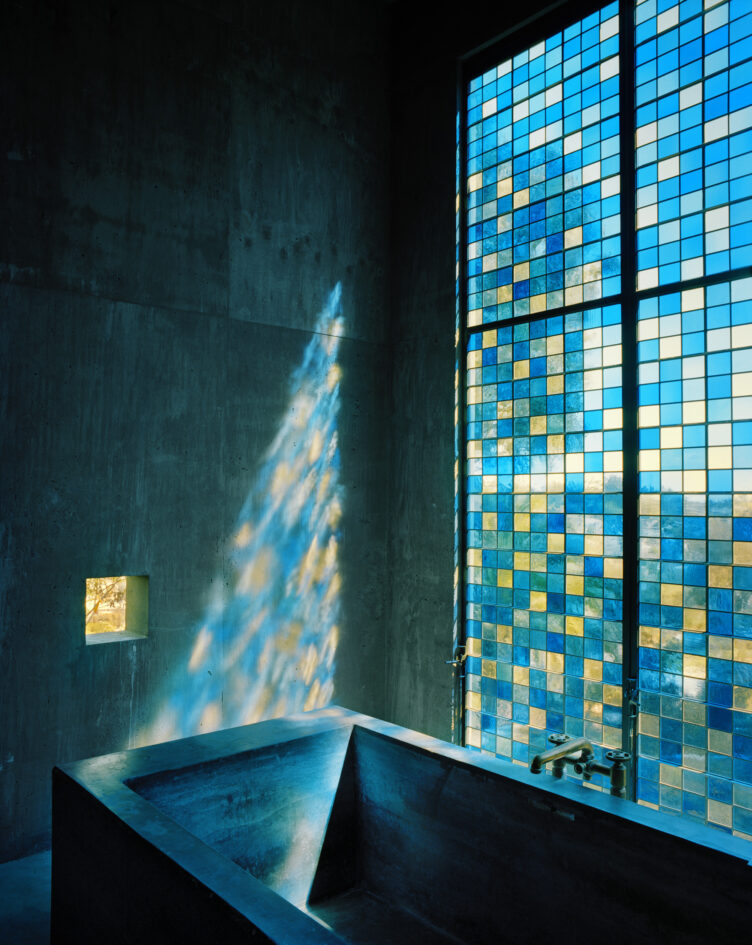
(267, 647)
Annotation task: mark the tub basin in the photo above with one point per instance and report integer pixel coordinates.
(334, 827)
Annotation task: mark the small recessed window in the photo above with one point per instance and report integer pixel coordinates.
(116, 608)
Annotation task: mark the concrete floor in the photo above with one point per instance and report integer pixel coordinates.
(25, 900)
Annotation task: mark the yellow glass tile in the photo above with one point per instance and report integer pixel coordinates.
(538, 304)
(591, 271)
(573, 295)
(593, 669)
(521, 369)
(575, 584)
(474, 646)
(650, 636)
(612, 737)
(504, 634)
(613, 461)
(521, 484)
(720, 576)
(505, 446)
(538, 426)
(574, 626)
(474, 395)
(694, 411)
(504, 294)
(720, 813)
(743, 552)
(594, 482)
(671, 775)
(472, 737)
(474, 182)
(741, 384)
(490, 338)
(671, 438)
(575, 564)
(489, 484)
(474, 558)
(521, 561)
(488, 668)
(650, 504)
(504, 409)
(489, 522)
(474, 317)
(695, 480)
(504, 187)
(521, 522)
(521, 198)
(555, 663)
(671, 595)
(692, 299)
(649, 416)
(555, 344)
(504, 577)
(719, 457)
(612, 419)
(650, 460)
(695, 620)
(555, 443)
(555, 384)
(538, 600)
(521, 675)
(538, 504)
(555, 543)
(593, 380)
(537, 718)
(649, 725)
(521, 271)
(743, 651)
(554, 483)
(719, 742)
(671, 347)
(695, 666)
(593, 544)
(743, 504)
(613, 568)
(472, 701)
(612, 695)
(490, 262)
(475, 359)
(573, 237)
(743, 698)
(575, 462)
(520, 733)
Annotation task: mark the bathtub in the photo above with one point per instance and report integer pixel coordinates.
(334, 827)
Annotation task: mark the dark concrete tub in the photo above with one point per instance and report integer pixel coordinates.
(334, 827)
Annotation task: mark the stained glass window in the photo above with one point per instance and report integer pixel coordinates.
(565, 609)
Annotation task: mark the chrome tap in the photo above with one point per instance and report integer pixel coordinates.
(578, 752)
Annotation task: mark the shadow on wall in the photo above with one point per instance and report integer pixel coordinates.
(267, 647)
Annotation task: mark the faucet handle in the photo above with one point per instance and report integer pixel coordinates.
(558, 738)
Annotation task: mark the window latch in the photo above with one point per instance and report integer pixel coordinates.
(459, 657)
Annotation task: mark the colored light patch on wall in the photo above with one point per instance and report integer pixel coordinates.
(544, 533)
(693, 138)
(543, 175)
(695, 592)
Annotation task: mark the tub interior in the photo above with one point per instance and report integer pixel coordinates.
(383, 841)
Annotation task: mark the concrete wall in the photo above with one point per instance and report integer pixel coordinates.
(183, 184)
(426, 50)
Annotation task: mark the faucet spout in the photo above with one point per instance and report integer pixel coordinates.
(561, 751)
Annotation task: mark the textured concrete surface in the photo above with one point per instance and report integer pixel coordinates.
(387, 834)
(25, 900)
(184, 183)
